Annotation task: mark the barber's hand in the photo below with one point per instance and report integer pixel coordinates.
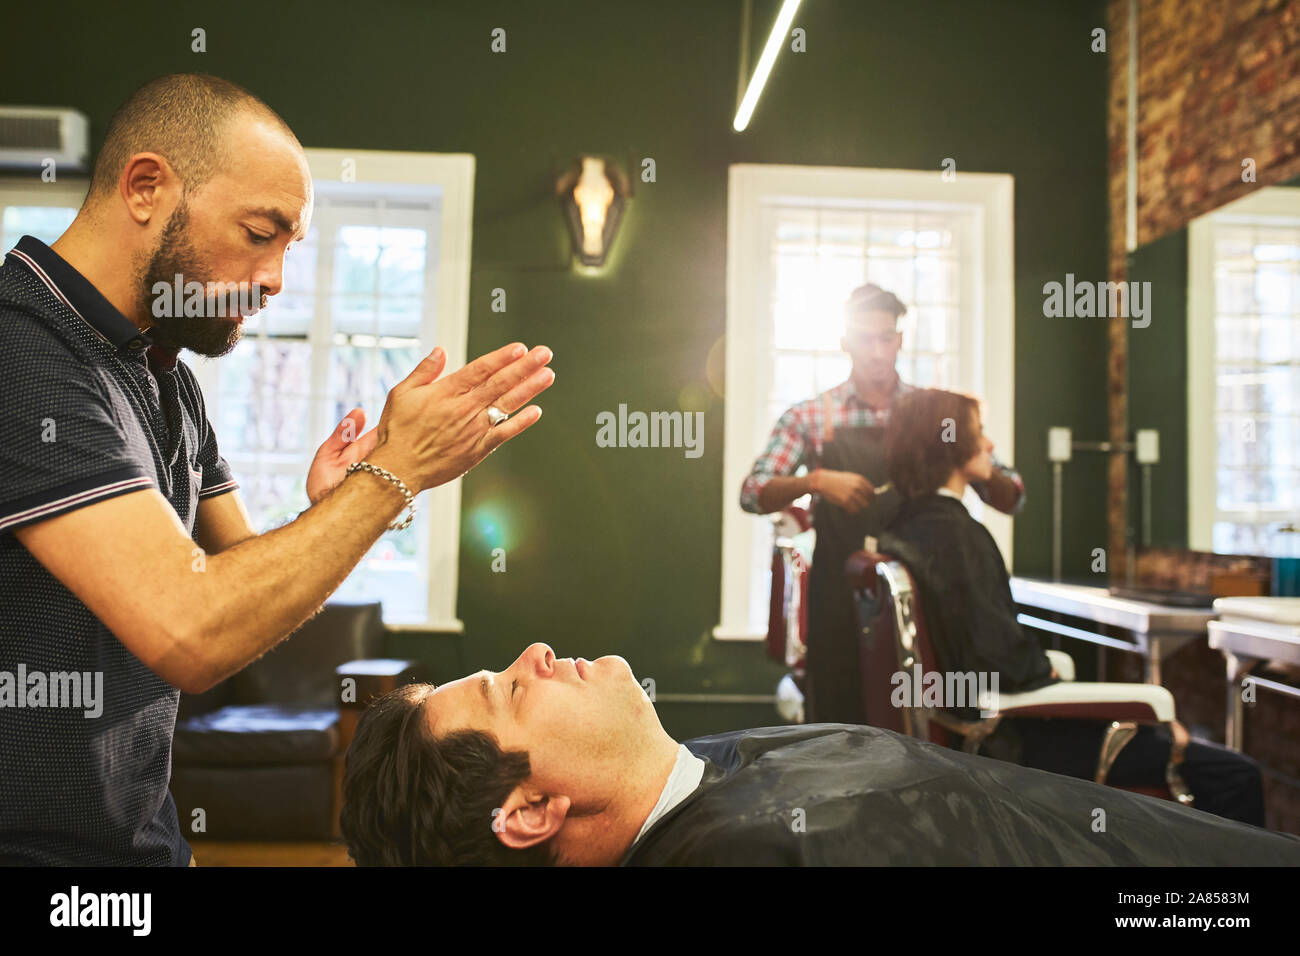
(341, 449)
(846, 489)
(432, 432)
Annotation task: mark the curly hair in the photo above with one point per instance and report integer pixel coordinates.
(931, 433)
(414, 799)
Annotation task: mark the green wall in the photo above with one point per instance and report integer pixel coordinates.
(1157, 387)
(618, 551)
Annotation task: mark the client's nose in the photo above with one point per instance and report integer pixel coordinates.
(538, 654)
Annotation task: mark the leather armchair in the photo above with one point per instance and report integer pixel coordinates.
(261, 754)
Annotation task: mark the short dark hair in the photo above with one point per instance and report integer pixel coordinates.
(182, 116)
(919, 451)
(872, 298)
(414, 799)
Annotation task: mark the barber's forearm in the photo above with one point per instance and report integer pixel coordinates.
(254, 594)
(783, 489)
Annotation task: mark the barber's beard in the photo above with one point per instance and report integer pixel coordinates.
(215, 332)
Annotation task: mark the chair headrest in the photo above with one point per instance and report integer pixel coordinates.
(861, 568)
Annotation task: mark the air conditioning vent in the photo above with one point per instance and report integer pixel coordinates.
(32, 135)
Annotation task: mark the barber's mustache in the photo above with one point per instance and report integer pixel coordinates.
(209, 300)
(250, 297)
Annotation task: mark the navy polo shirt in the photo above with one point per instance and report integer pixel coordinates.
(89, 409)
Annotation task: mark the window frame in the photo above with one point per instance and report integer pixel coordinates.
(991, 339)
(1270, 205)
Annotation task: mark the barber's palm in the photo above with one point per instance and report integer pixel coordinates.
(434, 430)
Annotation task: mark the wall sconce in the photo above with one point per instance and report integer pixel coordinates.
(592, 195)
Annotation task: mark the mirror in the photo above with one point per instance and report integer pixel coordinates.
(1216, 373)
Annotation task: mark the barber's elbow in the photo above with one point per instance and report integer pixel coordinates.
(182, 658)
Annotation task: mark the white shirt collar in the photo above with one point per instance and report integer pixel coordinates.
(945, 490)
(687, 772)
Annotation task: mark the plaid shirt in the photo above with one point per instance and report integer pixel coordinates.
(802, 431)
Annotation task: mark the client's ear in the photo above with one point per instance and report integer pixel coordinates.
(529, 817)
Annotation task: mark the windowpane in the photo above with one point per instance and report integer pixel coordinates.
(1257, 359)
(363, 374)
(394, 571)
(266, 391)
(45, 223)
(272, 499)
(379, 280)
(291, 312)
(818, 257)
(1235, 290)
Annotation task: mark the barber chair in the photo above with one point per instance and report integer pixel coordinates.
(893, 638)
(261, 753)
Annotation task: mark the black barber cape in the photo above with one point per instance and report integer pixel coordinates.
(965, 593)
(848, 795)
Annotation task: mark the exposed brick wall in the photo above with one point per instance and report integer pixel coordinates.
(1218, 82)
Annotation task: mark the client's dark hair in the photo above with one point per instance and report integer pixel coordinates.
(931, 433)
(413, 799)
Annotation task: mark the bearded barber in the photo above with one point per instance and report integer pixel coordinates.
(839, 438)
(112, 482)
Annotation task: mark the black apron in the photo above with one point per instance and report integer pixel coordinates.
(833, 673)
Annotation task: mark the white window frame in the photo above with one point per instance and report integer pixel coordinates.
(447, 286)
(990, 340)
(1266, 206)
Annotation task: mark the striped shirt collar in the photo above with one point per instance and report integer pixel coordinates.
(77, 293)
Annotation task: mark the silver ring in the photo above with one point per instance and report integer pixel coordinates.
(496, 416)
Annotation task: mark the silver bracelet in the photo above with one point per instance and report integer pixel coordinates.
(385, 473)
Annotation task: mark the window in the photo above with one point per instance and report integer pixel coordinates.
(1243, 337)
(800, 240)
(381, 277)
(43, 210)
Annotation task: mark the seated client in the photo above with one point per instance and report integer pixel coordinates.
(935, 445)
(557, 761)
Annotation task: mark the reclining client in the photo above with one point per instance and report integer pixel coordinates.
(562, 761)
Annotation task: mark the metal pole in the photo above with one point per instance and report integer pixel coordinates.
(1056, 520)
(1146, 506)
